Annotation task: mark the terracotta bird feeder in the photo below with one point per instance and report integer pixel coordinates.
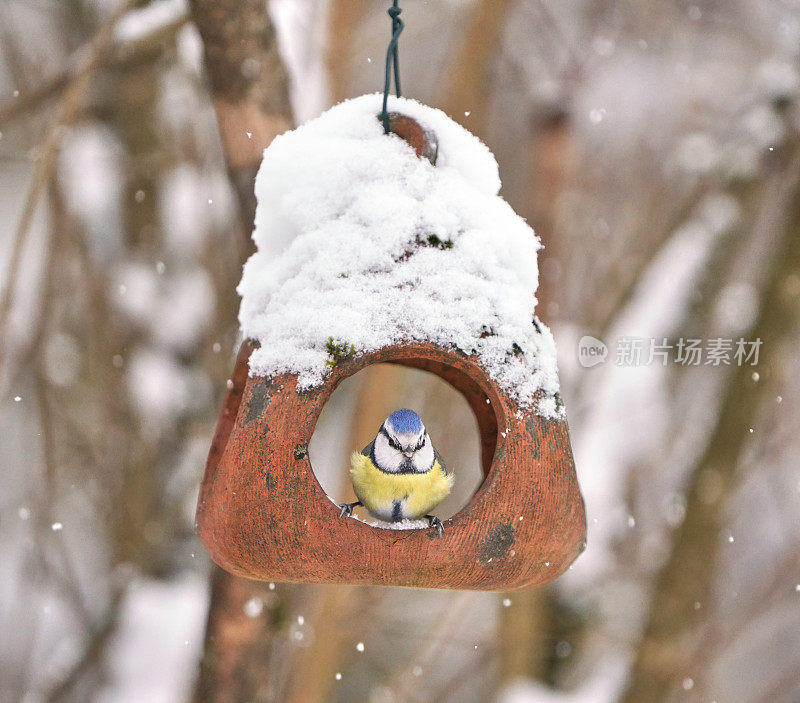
(262, 513)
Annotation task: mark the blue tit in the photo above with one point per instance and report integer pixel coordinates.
(400, 475)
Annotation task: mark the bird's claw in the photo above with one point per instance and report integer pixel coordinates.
(347, 509)
(434, 521)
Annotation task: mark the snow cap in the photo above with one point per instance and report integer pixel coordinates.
(362, 245)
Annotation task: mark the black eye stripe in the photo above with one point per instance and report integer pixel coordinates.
(395, 445)
(392, 443)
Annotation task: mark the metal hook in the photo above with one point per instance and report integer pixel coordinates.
(392, 57)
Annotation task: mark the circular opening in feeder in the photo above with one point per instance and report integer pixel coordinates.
(354, 413)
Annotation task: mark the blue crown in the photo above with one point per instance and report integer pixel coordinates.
(404, 421)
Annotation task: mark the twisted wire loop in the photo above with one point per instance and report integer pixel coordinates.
(392, 59)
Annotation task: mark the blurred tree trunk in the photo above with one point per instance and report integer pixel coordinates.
(528, 627)
(468, 80)
(667, 651)
(132, 114)
(523, 636)
(345, 17)
(313, 673)
(236, 658)
(249, 87)
(312, 676)
(551, 165)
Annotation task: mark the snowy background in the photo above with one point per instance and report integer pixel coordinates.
(654, 146)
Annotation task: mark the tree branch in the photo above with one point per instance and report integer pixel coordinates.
(249, 86)
(250, 91)
(115, 56)
(67, 110)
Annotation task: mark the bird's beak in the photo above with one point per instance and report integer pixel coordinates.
(408, 454)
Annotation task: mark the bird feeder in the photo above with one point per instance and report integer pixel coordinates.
(262, 513)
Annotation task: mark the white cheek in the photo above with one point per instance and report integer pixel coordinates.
(387, 458)
(423, 459)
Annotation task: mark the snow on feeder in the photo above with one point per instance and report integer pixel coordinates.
(373, 249)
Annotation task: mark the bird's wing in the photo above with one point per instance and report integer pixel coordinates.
(441, 461)
(367, 451)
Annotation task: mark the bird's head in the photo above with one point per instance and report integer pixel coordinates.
(402, 444)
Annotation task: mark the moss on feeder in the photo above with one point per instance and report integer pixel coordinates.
(338, 351)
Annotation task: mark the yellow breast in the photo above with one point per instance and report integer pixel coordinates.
(393, 497)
